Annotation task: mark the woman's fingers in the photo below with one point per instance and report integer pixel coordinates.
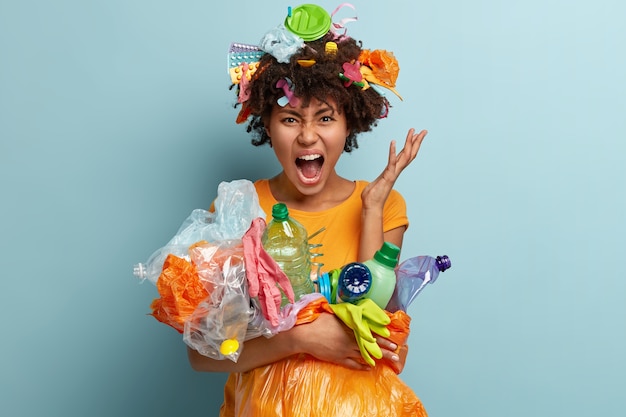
(397, 162)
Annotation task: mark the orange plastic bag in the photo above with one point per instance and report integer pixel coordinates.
(304, 386)
(180, 291)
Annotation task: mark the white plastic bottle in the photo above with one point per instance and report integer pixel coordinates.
(381, 267)
(286, 241)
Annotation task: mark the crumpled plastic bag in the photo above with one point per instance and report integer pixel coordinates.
(207, 300)
(304, 386)
(218, 325)
(236, 205)
(202, 278)
(281, 43)
(181, 291)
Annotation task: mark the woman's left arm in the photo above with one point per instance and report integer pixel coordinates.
(374, 197)
(376, 193)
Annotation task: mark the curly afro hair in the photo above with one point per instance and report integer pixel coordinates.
(321, 81)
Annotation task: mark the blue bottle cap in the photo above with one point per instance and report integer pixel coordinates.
(355, 281)
(443, 262)
(323, 286)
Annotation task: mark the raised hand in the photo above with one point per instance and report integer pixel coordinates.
(376, 193)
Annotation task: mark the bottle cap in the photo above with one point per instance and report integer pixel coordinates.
(388, 255)
(323, 286)
(355, 281)
(308, 21)
(443, 263)
(280, 211)
(229, 346)
(139, 270)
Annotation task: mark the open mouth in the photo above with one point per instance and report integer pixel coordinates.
(310, 166)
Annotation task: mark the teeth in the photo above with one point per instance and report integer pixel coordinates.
(310, 157)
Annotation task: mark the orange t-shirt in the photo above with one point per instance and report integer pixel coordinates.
(342, 223)
(340, 245)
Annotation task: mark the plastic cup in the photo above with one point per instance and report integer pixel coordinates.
(308, 21)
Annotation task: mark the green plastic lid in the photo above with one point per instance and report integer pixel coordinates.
(388, 254)
(308, 21)
(280, 211)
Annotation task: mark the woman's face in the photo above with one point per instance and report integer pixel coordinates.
(308, 142)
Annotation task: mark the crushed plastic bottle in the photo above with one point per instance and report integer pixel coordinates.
(412, 276)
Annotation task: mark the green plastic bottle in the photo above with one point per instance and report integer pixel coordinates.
(286, 241)
(381, 267)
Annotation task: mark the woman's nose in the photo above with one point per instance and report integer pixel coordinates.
(308, 135)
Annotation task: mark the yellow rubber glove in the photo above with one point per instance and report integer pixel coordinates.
(364, 317)
(375, 316)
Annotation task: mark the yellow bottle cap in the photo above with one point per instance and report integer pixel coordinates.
(229, 346)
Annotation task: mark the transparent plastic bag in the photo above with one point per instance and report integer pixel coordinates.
(200, 275)
(221, 323)
(236, 205)
(202, 279)
(217, 328)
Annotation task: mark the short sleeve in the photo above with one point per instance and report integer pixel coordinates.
(394, 212)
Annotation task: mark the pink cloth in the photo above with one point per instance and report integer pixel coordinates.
(263, 273)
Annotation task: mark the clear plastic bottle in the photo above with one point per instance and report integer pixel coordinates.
(286, 241)
(412, 276)
(382, 267)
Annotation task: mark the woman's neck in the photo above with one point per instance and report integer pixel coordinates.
(336, 190)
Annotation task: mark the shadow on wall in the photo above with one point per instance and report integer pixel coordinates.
(237, 158)
(160, 382)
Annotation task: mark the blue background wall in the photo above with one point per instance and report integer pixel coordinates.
(116, 121)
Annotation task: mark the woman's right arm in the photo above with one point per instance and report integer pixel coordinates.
(326, 338)
(256, 352)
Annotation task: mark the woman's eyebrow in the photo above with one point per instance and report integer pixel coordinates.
(297, 113)
(325, 110)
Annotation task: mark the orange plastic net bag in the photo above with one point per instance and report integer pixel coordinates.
(180, 290)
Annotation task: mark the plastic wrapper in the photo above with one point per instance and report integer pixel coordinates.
(201, 279)
(181, 291)
(304, 386)
(236, 205)
(206, 298)
(218, 325)
(221, 322)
